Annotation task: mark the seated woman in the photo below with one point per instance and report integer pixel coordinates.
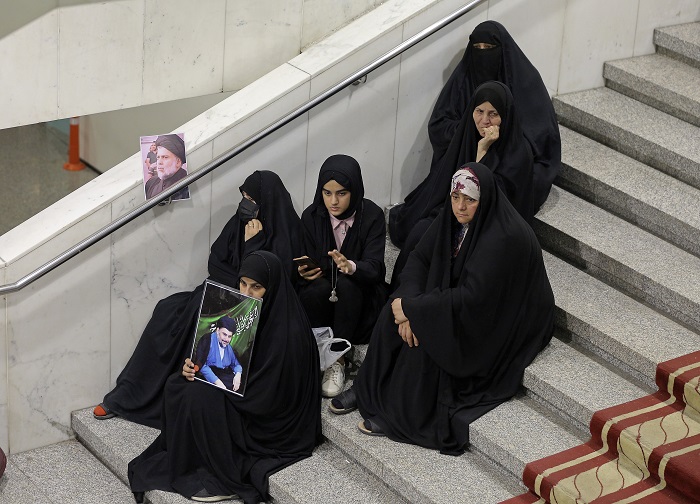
(345, 234)
(492, 136)
(215, 445)
(266, 220)
(491, 54)
(473, 309)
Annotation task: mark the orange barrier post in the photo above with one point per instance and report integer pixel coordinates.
(74, 163)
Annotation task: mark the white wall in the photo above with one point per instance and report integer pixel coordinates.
(65, 338)
(63, 58)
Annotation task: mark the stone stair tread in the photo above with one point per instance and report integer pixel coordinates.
(636, 129)
(418, 474)
(65, 472)
(620, 252)
(659, 81)
(619, 326)
(682, 40)
(514, 434)
(574, 384)
(652, 199)
(117, 441)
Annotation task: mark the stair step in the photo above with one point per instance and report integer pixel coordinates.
(659, 81)
(638, 130)
(574, 385)
(61, 473)
(624, 332)
(117, 441)
(623, 255)
(419, 475)
(519, 431)
(640, 194)
(681, 42)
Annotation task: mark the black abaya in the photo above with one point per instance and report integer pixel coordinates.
(533, 105)
(227, 444)
(480, 318)
(167, 338)
(509, 158)
(362, 294)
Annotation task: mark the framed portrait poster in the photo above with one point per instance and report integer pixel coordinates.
(164, 163)
(224, 337)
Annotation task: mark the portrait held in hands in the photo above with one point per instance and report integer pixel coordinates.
(164, 164)
(225, 332)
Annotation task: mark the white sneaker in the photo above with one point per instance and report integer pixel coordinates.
(333, 380)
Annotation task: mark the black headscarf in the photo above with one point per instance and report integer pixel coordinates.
(345, 170)
(480, 319)
(532, 102)
(280, 229)
(361, 243)
(231, 444)
(509, 158)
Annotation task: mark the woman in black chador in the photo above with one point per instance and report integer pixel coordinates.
(345, 234)
(473, 309)
(216, 445)
(266, 220)
(491, 54)
(491, 135)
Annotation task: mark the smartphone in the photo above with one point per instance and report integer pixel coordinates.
(306, 261)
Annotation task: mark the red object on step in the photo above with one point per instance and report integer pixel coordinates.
(3, 462)
(74, 163)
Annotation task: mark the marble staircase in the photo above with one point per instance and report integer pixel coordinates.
(621, 233)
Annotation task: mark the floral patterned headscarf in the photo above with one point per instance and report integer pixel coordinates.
(466, 182)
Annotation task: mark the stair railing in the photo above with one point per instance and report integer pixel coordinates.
(234, 151)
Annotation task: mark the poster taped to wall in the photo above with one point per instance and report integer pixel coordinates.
(164, 164)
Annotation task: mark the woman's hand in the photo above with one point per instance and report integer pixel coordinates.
(341, 261)
(253, 227)
(396, 308)
(407, 334)
(491, 134)
(188, 369)
(311, 274)
(236, 381)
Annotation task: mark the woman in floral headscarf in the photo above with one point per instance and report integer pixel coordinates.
(473, 309)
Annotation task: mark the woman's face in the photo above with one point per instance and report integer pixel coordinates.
(463, 207)
(335, 197)
(250, 287)
(486, 115)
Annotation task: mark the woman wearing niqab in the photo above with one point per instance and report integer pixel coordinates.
(216, 443)
(478, 301)
(167, 338)
(504, 61)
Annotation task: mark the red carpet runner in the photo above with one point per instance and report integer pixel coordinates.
(644, 451)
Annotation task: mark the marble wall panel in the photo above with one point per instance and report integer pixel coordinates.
(360, 122)
(58, 341)
(655, 14)
(249, 55)
(161, 252)
(537, 28)
(253, 109)
(424, 70)
(595, 31)
(322, 17)
(284, 153)
(183, 49)
(29, 83)
(103, 57)
(4, 439)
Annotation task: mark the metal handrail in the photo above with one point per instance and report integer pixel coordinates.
(234, 151)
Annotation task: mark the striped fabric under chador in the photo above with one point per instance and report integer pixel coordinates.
(644, 451)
